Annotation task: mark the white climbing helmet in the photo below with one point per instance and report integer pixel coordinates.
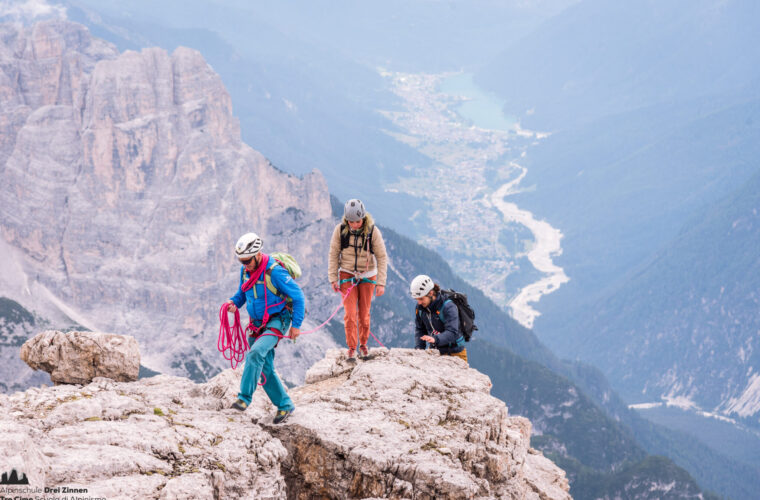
(354, 210)
(248, 246)
(420, 286)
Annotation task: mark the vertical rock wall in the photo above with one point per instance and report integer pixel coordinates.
(125, 186)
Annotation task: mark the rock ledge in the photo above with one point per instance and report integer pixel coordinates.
(404, 424)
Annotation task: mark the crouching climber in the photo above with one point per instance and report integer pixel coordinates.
(436, 319)
(265, 287)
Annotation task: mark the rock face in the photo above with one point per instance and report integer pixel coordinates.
(409, 424)
(404, 424)
(124, 187)
(162, 437)
(79, 357)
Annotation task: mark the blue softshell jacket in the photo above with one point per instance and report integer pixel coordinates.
(284, 284)
(441, 316)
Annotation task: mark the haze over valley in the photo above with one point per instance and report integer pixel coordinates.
(586, 171)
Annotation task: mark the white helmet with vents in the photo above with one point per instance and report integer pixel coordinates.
(249, 245)
(420, 286)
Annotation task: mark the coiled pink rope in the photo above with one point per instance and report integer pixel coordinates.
(232, 342)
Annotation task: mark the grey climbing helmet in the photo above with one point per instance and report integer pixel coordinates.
(354, 210)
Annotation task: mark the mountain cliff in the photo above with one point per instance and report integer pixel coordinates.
(125, 183)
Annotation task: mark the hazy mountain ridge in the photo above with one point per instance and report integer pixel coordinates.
(716, 310)
(16, 323)
(656, 124)
(716, 464)
(653, 109)
(603, 58)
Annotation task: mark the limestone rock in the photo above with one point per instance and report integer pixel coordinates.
(79, 357)
(408, 424)
(403, 424)
(162, 437)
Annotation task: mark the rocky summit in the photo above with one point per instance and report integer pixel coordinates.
(403, 424)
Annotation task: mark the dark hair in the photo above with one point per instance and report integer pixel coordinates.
(436, 289)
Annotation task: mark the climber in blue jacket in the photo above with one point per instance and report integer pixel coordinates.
(271, 316)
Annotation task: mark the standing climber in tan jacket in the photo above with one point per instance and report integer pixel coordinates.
(357, 257)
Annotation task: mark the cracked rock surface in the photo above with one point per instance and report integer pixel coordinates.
(403, 424)
(407, 424)
(161, 437)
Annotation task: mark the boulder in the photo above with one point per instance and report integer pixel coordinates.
(79, 357)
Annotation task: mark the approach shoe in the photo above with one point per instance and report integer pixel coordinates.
(364, 352)
(239, 405)
(282, 415)
(351, 355)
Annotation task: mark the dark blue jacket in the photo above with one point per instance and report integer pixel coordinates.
(283, 283)
(440, 320)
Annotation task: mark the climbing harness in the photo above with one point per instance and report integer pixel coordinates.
(233, 340)
(357, 279)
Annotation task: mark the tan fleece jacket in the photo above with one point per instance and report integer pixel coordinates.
(348, 260)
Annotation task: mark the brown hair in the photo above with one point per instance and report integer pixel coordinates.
(436, 289)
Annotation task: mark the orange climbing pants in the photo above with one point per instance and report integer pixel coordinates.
(356, 307)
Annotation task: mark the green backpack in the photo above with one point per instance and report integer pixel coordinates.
(289, 263)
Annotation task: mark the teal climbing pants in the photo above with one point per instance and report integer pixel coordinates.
(260, 360)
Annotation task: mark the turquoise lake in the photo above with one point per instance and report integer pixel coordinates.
(482, 108)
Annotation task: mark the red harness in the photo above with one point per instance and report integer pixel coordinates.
(255, 276)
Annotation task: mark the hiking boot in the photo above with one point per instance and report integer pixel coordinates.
(282, 415)
(239, 405)
(364, 352)
(351, 355)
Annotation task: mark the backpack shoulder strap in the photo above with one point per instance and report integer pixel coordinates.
(369, 239)
(440, 311)
(344, 237)
(268, 277)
